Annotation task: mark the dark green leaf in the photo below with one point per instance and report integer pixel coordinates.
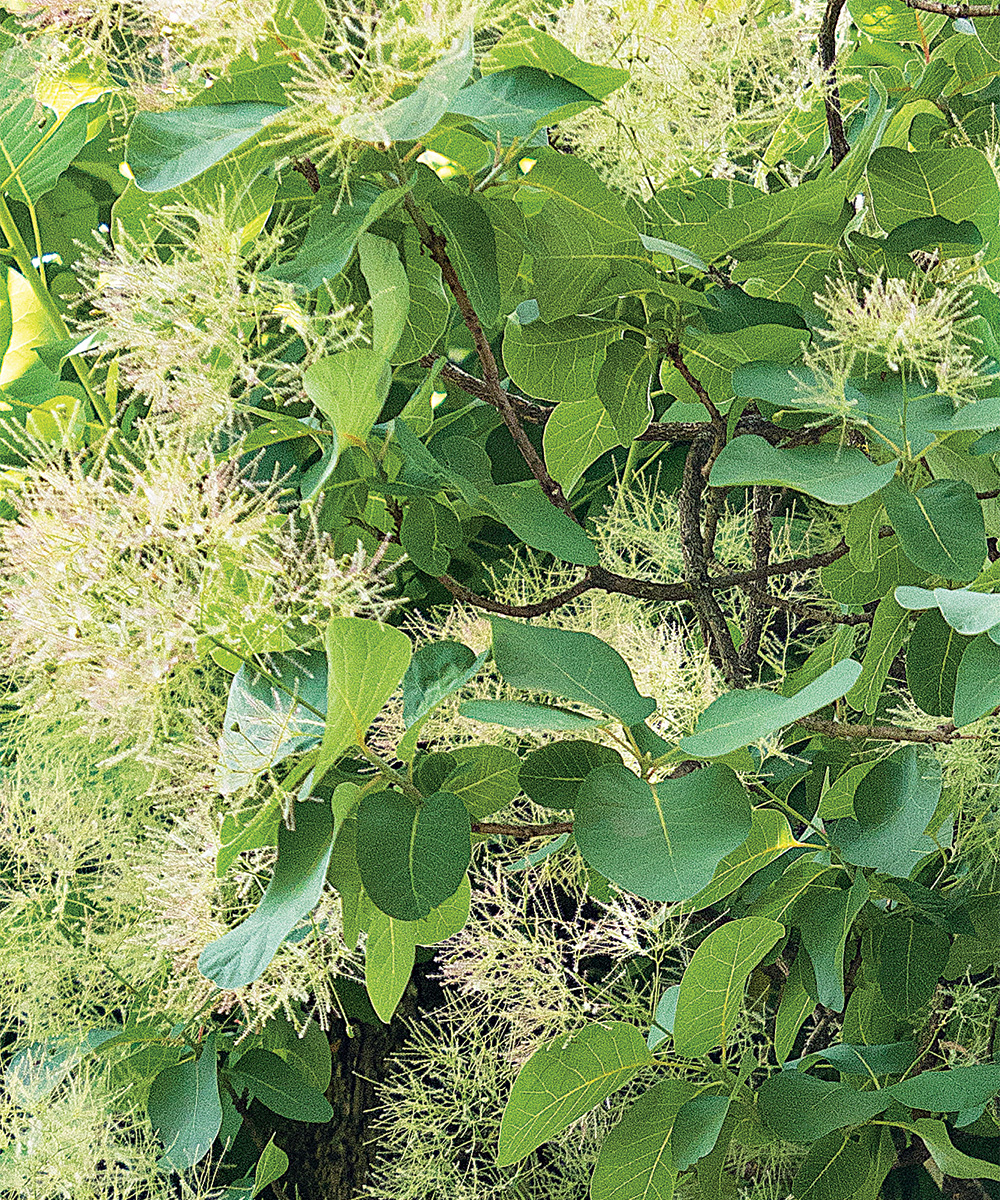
(834, 474)
(436, 670)
(528, 46)
(800, 1108)
(429, 533)
(932, 657)
(949, 1090)
(662, 841)
(824, 914)
(940, 527)
(281, 1089)
(519, 714)
(888, 633)
(909, 959)
(515, 103)
(893, 805)
(623, 387)
(412, 857)
(696, 1128)
(166, 149)
(966, 612)
(977, 684)
(552, 775)
(636, 1162)
(471, 248)
(563, 662)
(741, 718)
(185, 1110)
(832, 1169)
(243, 954)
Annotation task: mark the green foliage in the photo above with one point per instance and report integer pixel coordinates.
(402, 318)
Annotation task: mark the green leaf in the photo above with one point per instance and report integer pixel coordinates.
(892, 21)
(519, 714)
(281, 1089)
(35, 147)
(636, 1162)
(909, 959)
(662, 841)
(563, 662)
(365, 662)
(427, 316)
(769, 837)
(552, 775)
(893, 805)
(564, 1080)
(518, 102)
(580, 191)
(471, 248)
(485, 778)
(388, 289)
(429, 533)
(977, 684)
(955, 183)
(849, 583)
(349, 388)
(834, 474)
(832, 1168)
(412, 857)
(244, 953)
(696, 1128)
(947, 1158)
(560, 361)
(308, 1053)
(932, 658)
(446, 919)
(389, 956)
(741, 718)
(271, 1165)
(528, 46)
(265, 723)
(333, 233)
(576, 435)
(185, 1110)
(526, 511)
(824, 915)
(890, 626)
(714, 981)
(950, 1090)
(416, 114)
(623, 387)
(927, 233)
(166, 149)
(436, 670)
(795, 1005)
(966, 612)
(940, 527)
(800, 1108)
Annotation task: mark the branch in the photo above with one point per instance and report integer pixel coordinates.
(807, 612)
(714, 629)
(955, 10)
(790, 566)
(538, 609)
(435, 244)
(760, 544)
(523, 831)
(673, 352)
(828, 59)
(880, 733)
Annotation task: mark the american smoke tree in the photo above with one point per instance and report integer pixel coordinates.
(500, 567)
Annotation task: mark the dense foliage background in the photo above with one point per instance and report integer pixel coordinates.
(500, 616)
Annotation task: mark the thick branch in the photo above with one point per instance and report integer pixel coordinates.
(714, 629)
(880, 733)
(538, 609)
(523, 831)
(828, 58)
(807, 612)
(955, 10)
(760, 546)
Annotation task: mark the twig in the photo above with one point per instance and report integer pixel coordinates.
(538, 609)
(790, 566)
(435, 244)
(880, 733)
(673, 352)
(523, 831)
(828, 59)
